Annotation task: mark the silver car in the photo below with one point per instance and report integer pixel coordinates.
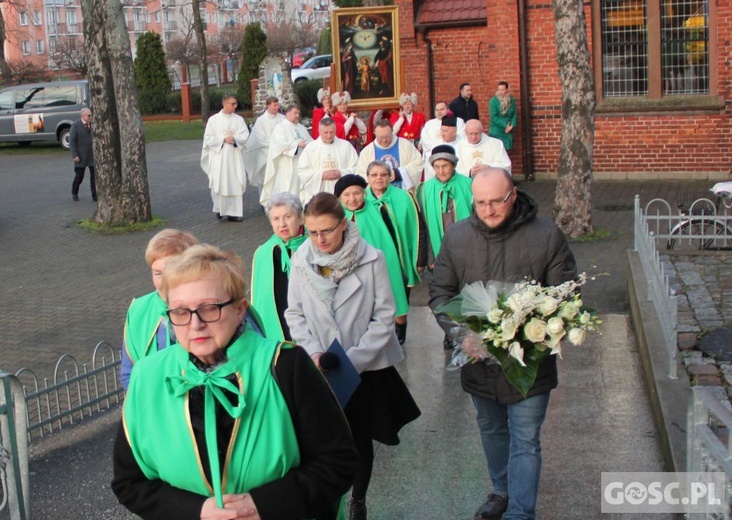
(317, 67)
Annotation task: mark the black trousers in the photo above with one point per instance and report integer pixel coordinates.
(79, 177)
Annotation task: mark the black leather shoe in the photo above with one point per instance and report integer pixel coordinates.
(493, 508)
(357, 509)
(447, 344)
(75, 198)
(401, 332)
(218, 216)
(235, 219)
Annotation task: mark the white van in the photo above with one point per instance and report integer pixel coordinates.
(41, 111)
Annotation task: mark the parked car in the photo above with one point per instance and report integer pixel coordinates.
(41, 111)
(300, 56)
(317, 67)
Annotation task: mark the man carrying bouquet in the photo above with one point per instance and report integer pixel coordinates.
(503, 240)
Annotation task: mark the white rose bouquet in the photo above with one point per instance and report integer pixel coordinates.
(518, 325)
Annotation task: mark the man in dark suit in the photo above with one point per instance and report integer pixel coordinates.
(80, 140)
(464, 106)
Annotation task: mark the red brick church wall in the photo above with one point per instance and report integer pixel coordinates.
(682, 144)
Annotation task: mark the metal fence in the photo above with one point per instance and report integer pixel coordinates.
(709, 436)
(74, 393)
(659, 291)
(13, 449)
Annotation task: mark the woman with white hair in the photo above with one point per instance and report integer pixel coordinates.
(271, 264)
(348, 125)
(407, 123)
(325, 110)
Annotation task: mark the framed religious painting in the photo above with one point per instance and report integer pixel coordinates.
(366, 55)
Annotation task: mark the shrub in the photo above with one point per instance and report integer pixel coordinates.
(153, 83)
(307, 93)
(254, 49)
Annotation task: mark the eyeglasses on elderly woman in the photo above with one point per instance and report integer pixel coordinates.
(207, 313)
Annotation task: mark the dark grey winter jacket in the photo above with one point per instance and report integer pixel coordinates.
(526, 246)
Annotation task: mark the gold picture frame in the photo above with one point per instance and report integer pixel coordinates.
(366, 55)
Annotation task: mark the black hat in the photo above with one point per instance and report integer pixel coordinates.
(347, 181)
(443, 151)
(449, 120)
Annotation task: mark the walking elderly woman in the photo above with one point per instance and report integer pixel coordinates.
(271, 264)
(339, 290)
(228, 424)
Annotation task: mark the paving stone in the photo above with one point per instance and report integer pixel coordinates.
(706, 380)
(687, 340)
(704, 369)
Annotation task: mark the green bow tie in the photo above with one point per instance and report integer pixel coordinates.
(448, 194)
(213, 384)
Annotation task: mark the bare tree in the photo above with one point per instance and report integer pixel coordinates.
(70, 55)
(119, 145)
(572, 201)
(5, 70)
(27, 71)
(284, 36)
(202, 59)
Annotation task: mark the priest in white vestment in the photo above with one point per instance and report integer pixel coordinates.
(449, 135)
(432, 133)
(324, 161)
(222, 159)
(399, 153)
(255, 156)
(286, 145)
(479, 149)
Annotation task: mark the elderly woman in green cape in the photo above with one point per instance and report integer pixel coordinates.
(351, 191)
(240, 426)
(400, 212)
(445, 198)
(271, 264)
(146, 327)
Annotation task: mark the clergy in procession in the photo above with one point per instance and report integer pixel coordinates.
(432, 130)
(400, 212)
(479, 149)
(324, 161)
(288, 139)
(444, 199)
(351, 191)
(255, 156)
(223, 161)
(448, 135)
(399, 153)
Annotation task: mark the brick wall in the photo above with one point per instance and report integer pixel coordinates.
(677, 145)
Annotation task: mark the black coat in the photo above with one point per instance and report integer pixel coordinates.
(465, 108)
(526, 246)
(80, 140)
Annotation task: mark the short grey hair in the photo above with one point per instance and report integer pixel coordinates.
(291, 106)
(286, 199)
(484, 169)
(85, 110)
(374, 164)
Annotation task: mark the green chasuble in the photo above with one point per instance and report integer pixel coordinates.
(263, 446)
(143, 319)
(434, 200)
(402, 210)
(375, 233)
(263, 290)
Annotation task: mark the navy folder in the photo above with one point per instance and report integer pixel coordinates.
(344, 378)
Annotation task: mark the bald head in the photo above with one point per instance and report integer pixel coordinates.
(473, 131)
(494, 195)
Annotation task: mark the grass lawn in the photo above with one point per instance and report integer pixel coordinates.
(154, 131)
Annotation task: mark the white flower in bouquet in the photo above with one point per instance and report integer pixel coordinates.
(495, 316)
(585, 318)
(508, 330)
(535, 330)
(568, 310)
(577, 336)
(548, 306)
(555, 326)
(517, 352)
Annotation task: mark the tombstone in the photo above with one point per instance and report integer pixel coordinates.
(274, 80)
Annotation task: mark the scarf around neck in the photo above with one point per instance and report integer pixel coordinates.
(505, 102)
(341, 263)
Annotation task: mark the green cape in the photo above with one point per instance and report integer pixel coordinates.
(433, 206)
(144, 316)
(263, 282)
(375, 233)
(403, 213)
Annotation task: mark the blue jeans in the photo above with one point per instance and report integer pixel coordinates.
(510, 437)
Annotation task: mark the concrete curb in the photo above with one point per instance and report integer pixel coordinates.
(668, 397)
